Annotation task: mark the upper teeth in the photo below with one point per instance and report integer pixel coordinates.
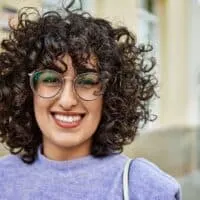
(65, 118)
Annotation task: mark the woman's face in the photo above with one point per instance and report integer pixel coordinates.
(66, 121)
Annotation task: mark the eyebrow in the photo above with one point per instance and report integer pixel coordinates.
(80, 69)
(55, 68)
(85, 69)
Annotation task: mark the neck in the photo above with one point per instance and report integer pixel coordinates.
(53, 152)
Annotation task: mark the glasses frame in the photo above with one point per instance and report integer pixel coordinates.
(31, 76)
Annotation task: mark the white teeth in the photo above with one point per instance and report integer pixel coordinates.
(68, 119)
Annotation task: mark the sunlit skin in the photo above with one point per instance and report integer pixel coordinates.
(60, 141)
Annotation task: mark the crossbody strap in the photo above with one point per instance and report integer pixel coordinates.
(125, 180)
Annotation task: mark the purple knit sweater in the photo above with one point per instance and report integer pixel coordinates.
(87, 178)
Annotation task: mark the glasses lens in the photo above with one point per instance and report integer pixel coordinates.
(88, 86)
(46, 83)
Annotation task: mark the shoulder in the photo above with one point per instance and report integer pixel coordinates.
(10, 164)
(8, 168)
(8, 160)
(117, 159)
(150, 181)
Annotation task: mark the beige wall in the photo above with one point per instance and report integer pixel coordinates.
(174, 62)
(21, 3)
(120, 12)
(174, 149)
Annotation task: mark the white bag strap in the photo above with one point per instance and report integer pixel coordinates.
(125, 179)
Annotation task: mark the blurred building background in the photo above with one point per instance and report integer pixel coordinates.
(173, 141)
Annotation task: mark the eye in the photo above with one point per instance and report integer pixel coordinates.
(47, 78)
(50, 79)
(87, 80)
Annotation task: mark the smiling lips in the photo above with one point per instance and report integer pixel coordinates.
(68, 120)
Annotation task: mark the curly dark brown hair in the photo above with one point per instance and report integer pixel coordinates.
(37, 40)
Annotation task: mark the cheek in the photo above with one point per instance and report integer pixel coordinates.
(40, 106)
(37, 104)
(95, 113)
(41, 112)
(95, 108)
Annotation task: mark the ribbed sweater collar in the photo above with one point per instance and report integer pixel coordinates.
(75, 164)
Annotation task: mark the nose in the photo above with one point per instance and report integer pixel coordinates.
(68, 97)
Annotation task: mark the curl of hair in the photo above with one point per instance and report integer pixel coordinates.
(37, 40)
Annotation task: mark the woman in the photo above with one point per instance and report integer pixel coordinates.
(73, 91)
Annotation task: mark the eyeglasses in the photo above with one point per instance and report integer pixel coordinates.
(49, 83)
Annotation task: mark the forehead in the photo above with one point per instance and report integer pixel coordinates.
(65, 63)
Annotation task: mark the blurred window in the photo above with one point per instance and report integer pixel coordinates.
(6, 13)
(57, 4)
(147, 33)
(147, 21)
